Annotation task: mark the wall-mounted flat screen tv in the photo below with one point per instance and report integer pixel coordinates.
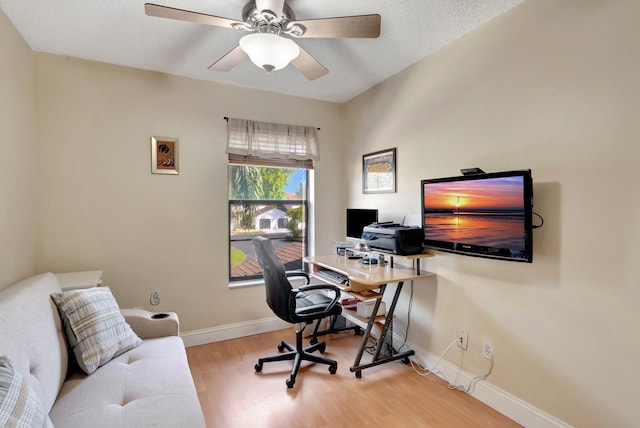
(484, 215)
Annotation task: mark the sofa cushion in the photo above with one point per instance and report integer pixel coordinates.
(96, 330)
(149, 386)
(32, 336)
(19, 406)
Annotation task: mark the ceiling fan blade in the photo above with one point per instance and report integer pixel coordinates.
(361, 26)
(308, 65)
(229, 60)
(189, 16)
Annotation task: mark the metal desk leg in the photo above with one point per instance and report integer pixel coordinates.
(377, 360)
(366, 335)
(388, 322)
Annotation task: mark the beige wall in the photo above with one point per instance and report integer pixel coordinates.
(18, 159)
(552, 86)
(101, 208)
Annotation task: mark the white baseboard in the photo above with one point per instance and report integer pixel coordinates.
(494, 397)
(503, 402)
(232, 331)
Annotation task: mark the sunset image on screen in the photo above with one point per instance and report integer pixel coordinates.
(486, 212)
(477, 195)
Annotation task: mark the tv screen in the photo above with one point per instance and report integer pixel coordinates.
(485, 215)
(357, 219)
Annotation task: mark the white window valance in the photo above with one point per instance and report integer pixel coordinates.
(271, 140)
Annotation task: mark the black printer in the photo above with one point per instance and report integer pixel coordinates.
(394, 238)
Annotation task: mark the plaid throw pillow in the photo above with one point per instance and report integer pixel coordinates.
(19, 406)
(96, 330)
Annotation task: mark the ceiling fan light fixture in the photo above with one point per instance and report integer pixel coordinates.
(269, 51)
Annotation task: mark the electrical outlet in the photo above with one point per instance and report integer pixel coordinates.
(155, 298)
(463, 335)
(487, 349)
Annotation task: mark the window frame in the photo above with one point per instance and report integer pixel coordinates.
(305, 203)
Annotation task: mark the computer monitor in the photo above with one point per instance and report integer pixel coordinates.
(357, 219)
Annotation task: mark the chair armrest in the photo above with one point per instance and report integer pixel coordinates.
(298, 273)
(310, 287)
(318, 287)
(148, 325)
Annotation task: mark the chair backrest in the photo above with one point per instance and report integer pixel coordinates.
(277, 286)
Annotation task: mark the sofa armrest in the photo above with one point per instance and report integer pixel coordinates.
(148, 325)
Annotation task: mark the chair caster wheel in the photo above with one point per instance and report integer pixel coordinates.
(358, 331)
(359, 374)
(322, 348)
(290, 382)
(281, 347)
(405, 360)
(313, 341)
(258, 367)
(333, 369)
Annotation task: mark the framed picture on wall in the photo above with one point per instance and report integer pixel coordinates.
(164, 155)
(379, 172)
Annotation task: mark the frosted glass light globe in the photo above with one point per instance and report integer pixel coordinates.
(269, 51)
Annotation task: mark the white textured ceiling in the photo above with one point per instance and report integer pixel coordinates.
(119, 32)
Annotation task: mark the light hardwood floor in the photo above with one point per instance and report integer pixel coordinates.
(233, 395)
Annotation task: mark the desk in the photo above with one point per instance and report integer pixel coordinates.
(362, 280)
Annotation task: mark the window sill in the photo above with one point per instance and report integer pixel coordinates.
(247, 283)
(299, 281)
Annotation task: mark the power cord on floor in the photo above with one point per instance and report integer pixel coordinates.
(423, 371)
(371, 348)
(474, 380)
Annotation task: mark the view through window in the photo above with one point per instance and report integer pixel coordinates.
(270, 202)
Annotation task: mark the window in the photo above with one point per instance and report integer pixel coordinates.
(268, 186)
(271, 202)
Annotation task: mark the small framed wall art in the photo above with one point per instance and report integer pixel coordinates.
(379, 172)
(164, 155)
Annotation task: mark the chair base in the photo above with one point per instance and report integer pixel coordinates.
(299, 354)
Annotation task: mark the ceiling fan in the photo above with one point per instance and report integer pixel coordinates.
(272, 25)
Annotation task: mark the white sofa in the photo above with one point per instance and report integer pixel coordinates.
(147, 386)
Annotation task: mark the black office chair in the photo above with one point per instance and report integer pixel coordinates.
(295, 305)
